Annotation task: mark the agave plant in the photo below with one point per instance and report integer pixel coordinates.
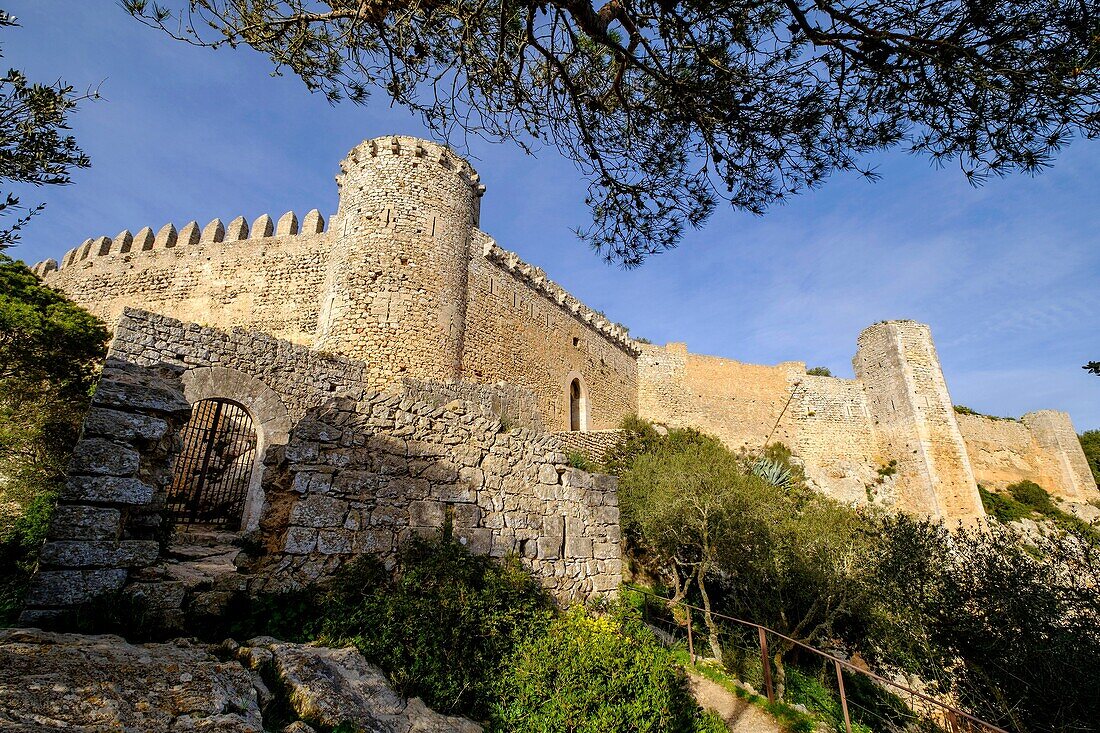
(774, 472)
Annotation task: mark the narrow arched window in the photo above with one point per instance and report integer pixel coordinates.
(578, 419)
(215, 466)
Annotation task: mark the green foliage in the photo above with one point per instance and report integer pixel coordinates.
(594, 673)
(964, 410)
(579, 460)
(642, 437)
(19, 543)
(33, 147)
(819, 371)
(1004, 508)
(1090, 444)
(1033, 496)
(50, 350)
(773, 472)
(441, 624)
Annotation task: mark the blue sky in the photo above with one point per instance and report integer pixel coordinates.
(1007, 274)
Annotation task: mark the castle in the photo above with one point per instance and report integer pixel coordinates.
(401, 293)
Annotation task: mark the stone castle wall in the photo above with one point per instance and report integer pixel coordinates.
(405, 288)
(523, 329)
(264, 277)
(364, 476)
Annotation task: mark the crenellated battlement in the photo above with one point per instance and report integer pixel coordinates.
(410, 147)
(190, 235)
(536, 278)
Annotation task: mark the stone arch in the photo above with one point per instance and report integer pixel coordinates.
(576, 397)
(270, 418)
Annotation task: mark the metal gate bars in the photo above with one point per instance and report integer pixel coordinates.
(214, 469)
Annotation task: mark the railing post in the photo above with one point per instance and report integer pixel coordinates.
(691, 644)
(767, 666)
(843, 697)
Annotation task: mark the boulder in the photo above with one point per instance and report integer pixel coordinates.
(328, 687)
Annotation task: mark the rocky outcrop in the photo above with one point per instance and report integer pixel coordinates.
(82, 683)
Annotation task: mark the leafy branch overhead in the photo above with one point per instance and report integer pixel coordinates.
(669, 107)
(34, 148)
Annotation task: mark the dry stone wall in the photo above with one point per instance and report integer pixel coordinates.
(363, 476)
(344, 471)
(108, 519)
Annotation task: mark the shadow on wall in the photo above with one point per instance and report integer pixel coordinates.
(354, 476)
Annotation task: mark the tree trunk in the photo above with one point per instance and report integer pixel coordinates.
(712, 628)
(780, 680)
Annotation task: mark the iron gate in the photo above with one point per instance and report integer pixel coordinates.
(215, 467)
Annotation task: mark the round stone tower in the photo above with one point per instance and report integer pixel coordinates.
(395, 293)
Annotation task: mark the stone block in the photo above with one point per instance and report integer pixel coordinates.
(607, 514)
(300, 541)
(334, 541)
(98, 553)
(70, 587)
(548, 474)
(467, 515)
(149, 395)
(549, 548)
(85, 523)
(127, 426)
(440, 471)
(319, 511)
(426, 513)
(454, 493)
(372, 540)
(604, 483)
(578, 547)
(472, 477)
(477, 541)
(103, 458)
(107, 490)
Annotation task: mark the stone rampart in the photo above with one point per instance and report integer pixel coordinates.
(593, 444)
(266, 277)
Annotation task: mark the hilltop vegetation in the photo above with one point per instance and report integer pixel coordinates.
(1007, 624)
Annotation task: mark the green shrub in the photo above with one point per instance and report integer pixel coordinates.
(596, 674)
(1090, 444)
(441, 624)
(1033, 496)
(579, 460)
(819, 371)
(1004, 508)
(19, 545)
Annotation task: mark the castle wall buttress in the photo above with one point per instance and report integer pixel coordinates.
(395, 291)
(914, 421)
(1053, 431)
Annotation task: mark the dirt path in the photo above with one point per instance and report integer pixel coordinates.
(740, 715)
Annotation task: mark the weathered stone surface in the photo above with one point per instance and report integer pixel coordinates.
(123, 425)
(333, 686)
(72, 587)
(107, 490)
(98, 553)
(100, 683)
(85, 523)
(150, 394)
(102, 457)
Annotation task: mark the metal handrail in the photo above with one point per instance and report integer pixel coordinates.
(837, 661)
